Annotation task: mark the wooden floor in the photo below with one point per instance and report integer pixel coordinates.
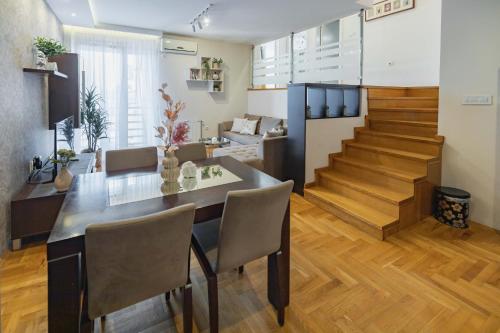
(428, 277)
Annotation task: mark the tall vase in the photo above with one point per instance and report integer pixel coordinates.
(63, 180)
(171, 170)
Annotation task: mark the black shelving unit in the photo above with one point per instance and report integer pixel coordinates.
(314, 102)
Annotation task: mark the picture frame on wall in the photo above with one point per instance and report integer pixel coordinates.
(387, 7)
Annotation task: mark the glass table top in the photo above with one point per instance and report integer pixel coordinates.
(128, 189)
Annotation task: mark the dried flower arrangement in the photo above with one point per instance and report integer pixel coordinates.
(170, 133)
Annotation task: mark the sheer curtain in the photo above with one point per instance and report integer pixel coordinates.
(124, 68)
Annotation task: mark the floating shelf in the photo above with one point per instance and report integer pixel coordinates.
(195, 75)
(45, 71)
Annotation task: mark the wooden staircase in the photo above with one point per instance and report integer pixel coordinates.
(383, 179)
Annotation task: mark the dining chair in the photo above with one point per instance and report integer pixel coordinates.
(250, 228)
(132, 260)
(191, 152)
(132, 158)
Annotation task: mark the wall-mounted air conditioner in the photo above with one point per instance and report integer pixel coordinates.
(170, 45)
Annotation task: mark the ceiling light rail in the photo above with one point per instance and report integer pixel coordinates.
(202, 20)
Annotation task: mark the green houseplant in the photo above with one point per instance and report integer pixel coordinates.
(48, 46)
(94, 119)
(217, 62)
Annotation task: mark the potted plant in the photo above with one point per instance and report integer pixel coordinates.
(171, 134)
(94, 119)
(50, 48)
(64, 176)
(206, 67)
(216, 63)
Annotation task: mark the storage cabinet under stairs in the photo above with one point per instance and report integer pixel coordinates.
(383, 179)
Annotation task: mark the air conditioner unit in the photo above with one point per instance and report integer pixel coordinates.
(170, 45)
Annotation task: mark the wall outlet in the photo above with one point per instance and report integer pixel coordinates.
(477, 100)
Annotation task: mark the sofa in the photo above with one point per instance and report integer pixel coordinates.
(266, 154)
(264, 124)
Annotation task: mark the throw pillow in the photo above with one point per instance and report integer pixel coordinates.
(238, 124)
(267, 124)
(249, 127)
(274, 132)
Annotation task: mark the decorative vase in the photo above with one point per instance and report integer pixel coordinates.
(171, 171)
(189, 184)
(63, 180)
(215, 65)
(170, 188)
(39, 59)
(98, 158)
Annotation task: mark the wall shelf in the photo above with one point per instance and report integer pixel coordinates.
(45, 71)
(213, 77)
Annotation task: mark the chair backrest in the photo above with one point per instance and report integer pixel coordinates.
(132, 260)
(133, 158)
(191, 152)
(251, 225)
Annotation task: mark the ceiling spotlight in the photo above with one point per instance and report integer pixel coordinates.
(73, 14)
(201, 20)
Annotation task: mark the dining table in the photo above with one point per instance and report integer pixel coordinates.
(104, 197)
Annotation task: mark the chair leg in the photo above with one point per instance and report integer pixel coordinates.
(187, 312)
(213, 304)
(241, 269)
(280, 291)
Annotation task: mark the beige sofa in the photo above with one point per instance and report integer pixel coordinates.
(264, 124)
(267, 155)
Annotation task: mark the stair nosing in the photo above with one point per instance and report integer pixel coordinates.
(415, 138)
(377, 169)
(393, 152)
(403, 98)
(372, 193)
(394, 220)
(403, 109)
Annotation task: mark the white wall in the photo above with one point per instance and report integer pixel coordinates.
(410, 40)
(200, 105)
(271, 103)
(325, 136)
(470, 64)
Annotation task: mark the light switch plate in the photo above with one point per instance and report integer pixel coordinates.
(477, 100)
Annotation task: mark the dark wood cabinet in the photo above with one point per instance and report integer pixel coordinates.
(34, 210)
(314, 102)
(64, 93)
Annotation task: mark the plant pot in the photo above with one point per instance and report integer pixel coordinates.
(39, 59)
(215, 65)
(171, 170)
(63, 180)
(51, 65)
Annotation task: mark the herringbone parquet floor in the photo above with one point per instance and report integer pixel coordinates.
(428, 278)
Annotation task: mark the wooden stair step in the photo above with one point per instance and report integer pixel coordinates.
(394, 152)
(403, 175)
(438, 140)
(366, 187)
(430, 124)
(366, 214)
(398, 109)
(404, 98)
(406, 102)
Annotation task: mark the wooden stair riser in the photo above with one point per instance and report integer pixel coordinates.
(393, 161)
(410, 115)
(406, 129)
(402, 103)
(404, 92)
(344, 216)
(374, 177)
(355, 194)
(399, 143)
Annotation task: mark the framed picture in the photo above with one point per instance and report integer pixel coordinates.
(387, 7)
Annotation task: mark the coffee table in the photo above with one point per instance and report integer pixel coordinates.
(210, 144)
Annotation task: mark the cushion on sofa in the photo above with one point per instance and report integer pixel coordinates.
(238, 124)
(242, 138)
(268, 123)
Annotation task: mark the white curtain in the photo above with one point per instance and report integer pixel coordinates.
(124, 68)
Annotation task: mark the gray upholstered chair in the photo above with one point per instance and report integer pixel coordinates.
(133, 158)
(132, 260)
(191, 152)
(250, 228)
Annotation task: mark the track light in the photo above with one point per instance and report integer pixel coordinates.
(202, 20)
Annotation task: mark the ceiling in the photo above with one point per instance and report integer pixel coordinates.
(247, 21)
